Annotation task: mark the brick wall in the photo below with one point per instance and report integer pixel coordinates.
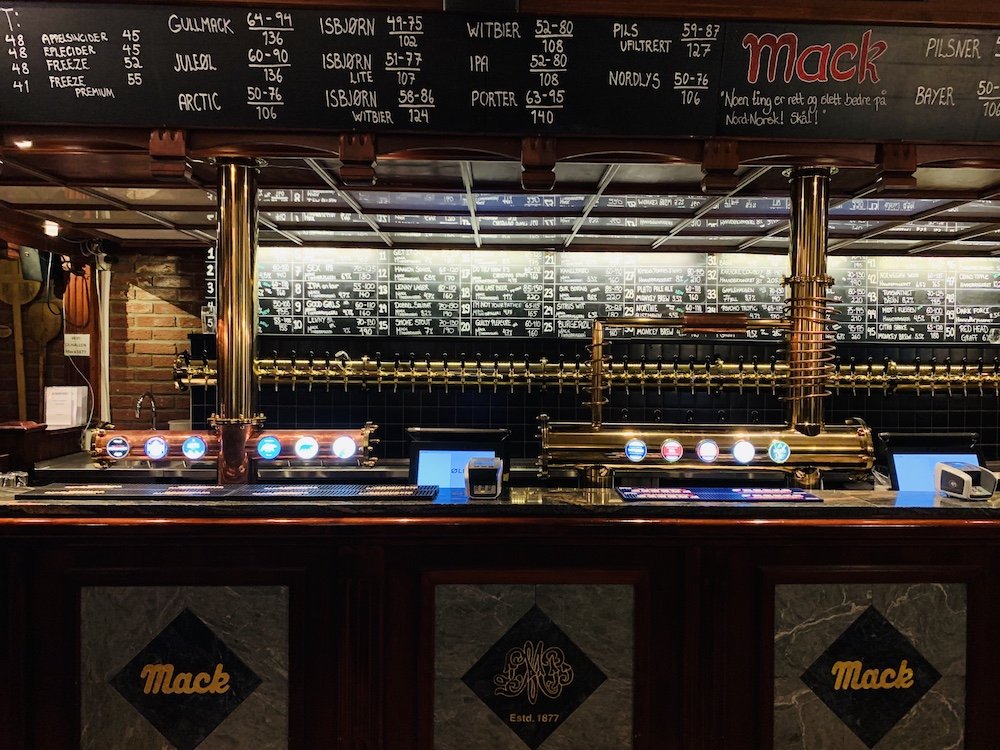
(155, 303)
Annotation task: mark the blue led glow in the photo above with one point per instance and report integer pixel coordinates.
(268, 447)
(194, 448)
(156, 448)
(635, 450)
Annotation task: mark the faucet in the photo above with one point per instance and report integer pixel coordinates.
(152, 407)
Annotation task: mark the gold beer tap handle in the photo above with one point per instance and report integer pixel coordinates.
(739, 375)
(462, 372)
(868, 378)
(947, 374)
(965, 375)
(561, 371)
(979, 372)
(854, 378)
(275, 370)
(430, 381)
(544, 372)
(642, 375)
(756, 374)
(659, 375)
(625, 376)
(413, 373)
(378, 371)
(479, 371)
(933, 375)
(342, 355)
(312, 369)
(527, 372)
(578, 374)
(445, 372)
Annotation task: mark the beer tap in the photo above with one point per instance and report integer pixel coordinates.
(947, 374)
(885, 376)
(326, 369)
(462, 376)
(429, 381)
(979, 373)
(396, 373)
(378, 370)
(739, 373)
(756, 374)
(343, 366)
(312, 371)
(275, 368)
(673, 372)
(933, 375)
(965, 375)
(444, 371)
(708, 376)
(659, 375)
(578, 373)
(527, 372)
(625, 374)
(774, 376)
(364, 372)
(691, 373)
(510, 371)
(479, 371)
(916, 373)
(292, 360)
(562, 370)
(868, 382)
(413, 373)
(544, 361)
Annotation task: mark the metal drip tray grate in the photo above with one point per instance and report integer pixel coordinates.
(716, 495)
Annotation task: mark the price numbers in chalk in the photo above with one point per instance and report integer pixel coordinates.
(405, 58)
(699, 39)
(132, 56)
(548, 66)
(270, 57)
(17, 51)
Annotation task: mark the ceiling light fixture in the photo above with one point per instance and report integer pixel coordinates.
(51, 229)
(24, 143)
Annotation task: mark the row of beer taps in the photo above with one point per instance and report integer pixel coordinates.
(856, 376)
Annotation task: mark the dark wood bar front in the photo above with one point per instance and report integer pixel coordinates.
(372, 626)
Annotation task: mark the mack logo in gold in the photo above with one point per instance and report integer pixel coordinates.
(533, 668)
(851, 675)
(160, 679)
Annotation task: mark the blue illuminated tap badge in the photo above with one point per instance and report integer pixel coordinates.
(306, 447)
(118, 447)
(779, 451)
(268, 447)
(194, 448)
(635, 450)
(156, 448)
(344, 447)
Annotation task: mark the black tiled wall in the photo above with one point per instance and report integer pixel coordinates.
(414, 405)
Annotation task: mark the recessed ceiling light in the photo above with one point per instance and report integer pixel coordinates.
(24, 143)
(51, 229)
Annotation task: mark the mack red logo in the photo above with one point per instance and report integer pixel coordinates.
(815, 63)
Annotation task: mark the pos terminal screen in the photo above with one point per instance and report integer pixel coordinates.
(446, 468)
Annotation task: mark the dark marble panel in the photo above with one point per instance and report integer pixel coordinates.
(118, 622)
(471, 618)
(811, 617)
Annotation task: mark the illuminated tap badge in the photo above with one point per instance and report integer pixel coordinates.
(306, 447)
(743, 451)
(635, 450)
(118, 447)
(707, 450)
(672, 451)
(779, 452)
(194, 448)
(344, 447)
(156, 448)
(269, 447)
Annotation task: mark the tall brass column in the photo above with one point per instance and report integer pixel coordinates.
(236, 326)
(810, 348)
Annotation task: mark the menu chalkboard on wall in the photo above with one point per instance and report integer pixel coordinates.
(297, 68)
(543, 294)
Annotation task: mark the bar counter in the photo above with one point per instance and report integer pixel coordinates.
(394, 624)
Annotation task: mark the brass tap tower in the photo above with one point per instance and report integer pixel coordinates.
(810, 346)
(236, 328)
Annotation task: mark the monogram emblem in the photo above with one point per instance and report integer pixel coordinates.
(532, 669)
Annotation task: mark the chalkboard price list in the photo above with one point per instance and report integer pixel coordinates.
(404, 60)
(132, 56)
(548, 67)
(17, 51)
(270, 56)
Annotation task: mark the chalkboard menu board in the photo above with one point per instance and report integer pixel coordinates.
(324, 70)
(542, 294)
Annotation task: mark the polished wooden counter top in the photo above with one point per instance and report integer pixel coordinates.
(292, 504)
